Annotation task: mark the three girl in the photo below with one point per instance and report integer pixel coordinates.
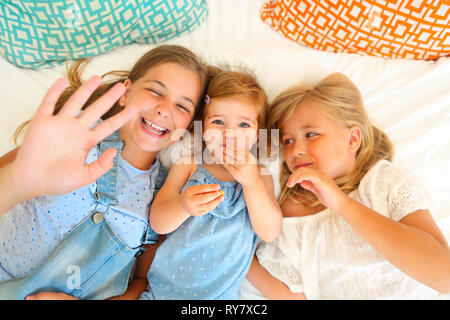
(355, 226)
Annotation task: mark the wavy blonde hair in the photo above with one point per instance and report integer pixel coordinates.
(152, 59)
(339, 99)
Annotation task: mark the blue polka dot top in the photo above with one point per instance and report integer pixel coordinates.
(208, 256)
(33, 229)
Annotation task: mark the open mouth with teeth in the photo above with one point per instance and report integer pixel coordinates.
(153, 128)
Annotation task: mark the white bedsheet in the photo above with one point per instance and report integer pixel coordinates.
(409, 100)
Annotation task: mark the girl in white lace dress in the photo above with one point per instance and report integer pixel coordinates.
(355, 226)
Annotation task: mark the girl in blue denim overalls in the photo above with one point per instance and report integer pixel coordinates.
(214, 210)
(84, 243)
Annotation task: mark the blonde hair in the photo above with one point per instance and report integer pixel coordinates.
(225, 84)
(152, 59)
(339, 99)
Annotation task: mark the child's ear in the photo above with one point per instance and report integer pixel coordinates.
(354, 133)
(123, 98)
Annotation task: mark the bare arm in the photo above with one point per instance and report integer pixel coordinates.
(264, 210)
(268, 285)
(415, 244)
(167, 212)
(171, 207)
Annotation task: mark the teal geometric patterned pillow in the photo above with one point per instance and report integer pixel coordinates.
(44, 33)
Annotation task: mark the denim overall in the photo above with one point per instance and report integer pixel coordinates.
(91, 262)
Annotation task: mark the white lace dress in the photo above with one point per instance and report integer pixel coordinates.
(322, 256)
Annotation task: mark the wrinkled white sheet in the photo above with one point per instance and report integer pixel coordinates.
(409, 100)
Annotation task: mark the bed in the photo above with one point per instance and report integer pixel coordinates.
(408, 99)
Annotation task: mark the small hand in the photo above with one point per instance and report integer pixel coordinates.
(50, 296)
(201, 199)
(51, 159)
(319, 183)
(241, 164)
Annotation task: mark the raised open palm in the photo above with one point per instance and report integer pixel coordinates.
(51, 159)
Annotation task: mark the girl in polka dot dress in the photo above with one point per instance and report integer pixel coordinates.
(84, 242)
(214, 206)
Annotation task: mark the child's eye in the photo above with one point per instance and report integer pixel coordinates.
(311, 134)
(183, 107)
(217, 121)
(154, 91)
(244, 125)
(287, 141)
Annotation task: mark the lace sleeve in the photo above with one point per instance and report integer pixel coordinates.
(406, 196)
(278, 265)
(393, 191)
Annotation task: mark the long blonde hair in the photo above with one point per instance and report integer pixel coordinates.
(340, 100)
(152, 59)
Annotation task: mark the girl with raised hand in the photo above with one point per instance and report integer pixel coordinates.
(83, 243)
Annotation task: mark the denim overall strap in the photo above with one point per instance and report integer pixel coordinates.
(151, 237)
(106, 184)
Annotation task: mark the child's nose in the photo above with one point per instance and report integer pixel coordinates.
(162, 108)
(236, 138)
(300, 147)
(230, 134)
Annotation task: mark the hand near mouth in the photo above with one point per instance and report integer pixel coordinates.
(322, 185)
(241, 164)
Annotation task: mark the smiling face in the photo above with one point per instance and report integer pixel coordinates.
(230, 121)
(313, 140)
(166, 97)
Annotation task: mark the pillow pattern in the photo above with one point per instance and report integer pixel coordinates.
(410, 29)
(41, 33)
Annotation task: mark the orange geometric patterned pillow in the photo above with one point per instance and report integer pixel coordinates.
(418, 29)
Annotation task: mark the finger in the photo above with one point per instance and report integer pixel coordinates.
(51, 97)
(92, 113)
(99, 167)
(208, 207)
(308, 185)
(107, 127)
(241, 145)
(228, 159)
(232, 151)
(303, 175)
(293, 181)
(294, 178)
(77, 100)
(236, 149)
(204, 188)
(239, 155)
(204, 198)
